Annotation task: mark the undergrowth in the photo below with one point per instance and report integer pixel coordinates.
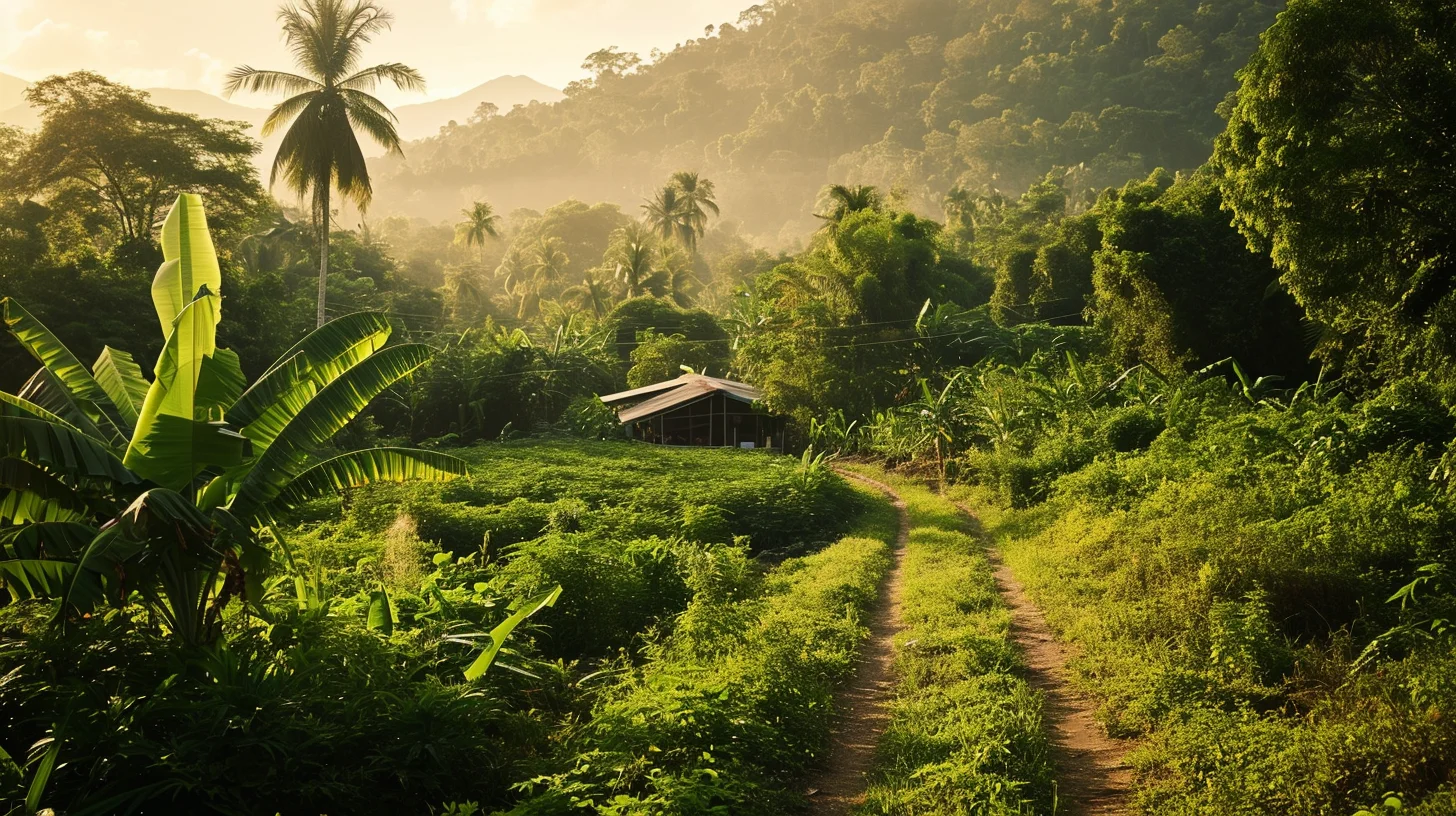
(728, 709)
(1259, 595)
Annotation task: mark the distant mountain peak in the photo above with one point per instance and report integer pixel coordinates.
(423, 119)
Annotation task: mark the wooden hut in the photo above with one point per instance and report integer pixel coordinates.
(696, 410)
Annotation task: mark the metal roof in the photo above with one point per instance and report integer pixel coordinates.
(665, 396)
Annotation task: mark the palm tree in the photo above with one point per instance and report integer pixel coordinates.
(479, 224)
(840, 200)
(320, 150)
(668, 215)
(676, 273)
(592, 293)
(631, 251)
(697, 197)
(548, 263)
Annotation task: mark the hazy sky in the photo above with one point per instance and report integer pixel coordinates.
(456, 43)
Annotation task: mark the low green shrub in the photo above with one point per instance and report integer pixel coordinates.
(307, 715)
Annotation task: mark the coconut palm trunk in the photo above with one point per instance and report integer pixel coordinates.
(321, 217)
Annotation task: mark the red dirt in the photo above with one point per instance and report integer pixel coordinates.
(839, 785)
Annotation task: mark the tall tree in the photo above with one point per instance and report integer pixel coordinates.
(592, 293)
(697, 201)
(668, 215)
(106, 147)
(479, 224)
(320, 151)
(1337, 161)
(630, 255)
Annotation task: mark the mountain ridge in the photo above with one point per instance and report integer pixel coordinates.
(417, 120)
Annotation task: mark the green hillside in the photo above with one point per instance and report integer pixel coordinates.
(922, 95)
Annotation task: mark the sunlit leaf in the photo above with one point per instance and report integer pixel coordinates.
(121, 378)
(191, 261)
(375, 465)
(380, 619)
(316, 420)
(498, 635)
(318, 359)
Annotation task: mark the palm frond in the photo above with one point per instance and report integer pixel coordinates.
(286, 110)
(256, 80)
(404, 77)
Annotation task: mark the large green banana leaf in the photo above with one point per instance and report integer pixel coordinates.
(190, 261)
(121, 378)
(174, 441)
(11, 405)
(47, 539)
(315, 421)
(317, 360)
(362, 467)
(45, 390)
(29, 494)
(27, 578)
(60, 449)
(68, 371)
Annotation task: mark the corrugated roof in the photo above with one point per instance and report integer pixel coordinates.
(674, 393)
(642, 393)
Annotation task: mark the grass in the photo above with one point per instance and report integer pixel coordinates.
(965, 732)
(736, 701)
(1213, 621)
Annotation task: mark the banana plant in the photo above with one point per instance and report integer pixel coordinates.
(113, 486)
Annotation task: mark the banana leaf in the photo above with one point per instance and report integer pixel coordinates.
(63, 540)
(375, 465)
(29, 578)
(171, 445)
(121, 378)
(60, 449)
(502, 631)
(220, 381)
(44, 389)
(315, 361)
(29, 494)
(11, 405)
(380, 619)
(315, 421)
(191, 261)
(69, 372)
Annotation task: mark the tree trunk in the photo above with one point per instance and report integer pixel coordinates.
(322, 214)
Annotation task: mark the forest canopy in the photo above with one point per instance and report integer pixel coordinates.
(926, 96)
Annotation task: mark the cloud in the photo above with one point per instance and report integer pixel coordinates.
(211, 68)
(11, 30)
(51, 47)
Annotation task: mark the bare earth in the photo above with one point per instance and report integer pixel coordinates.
(1093, 778)
(839, 785)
